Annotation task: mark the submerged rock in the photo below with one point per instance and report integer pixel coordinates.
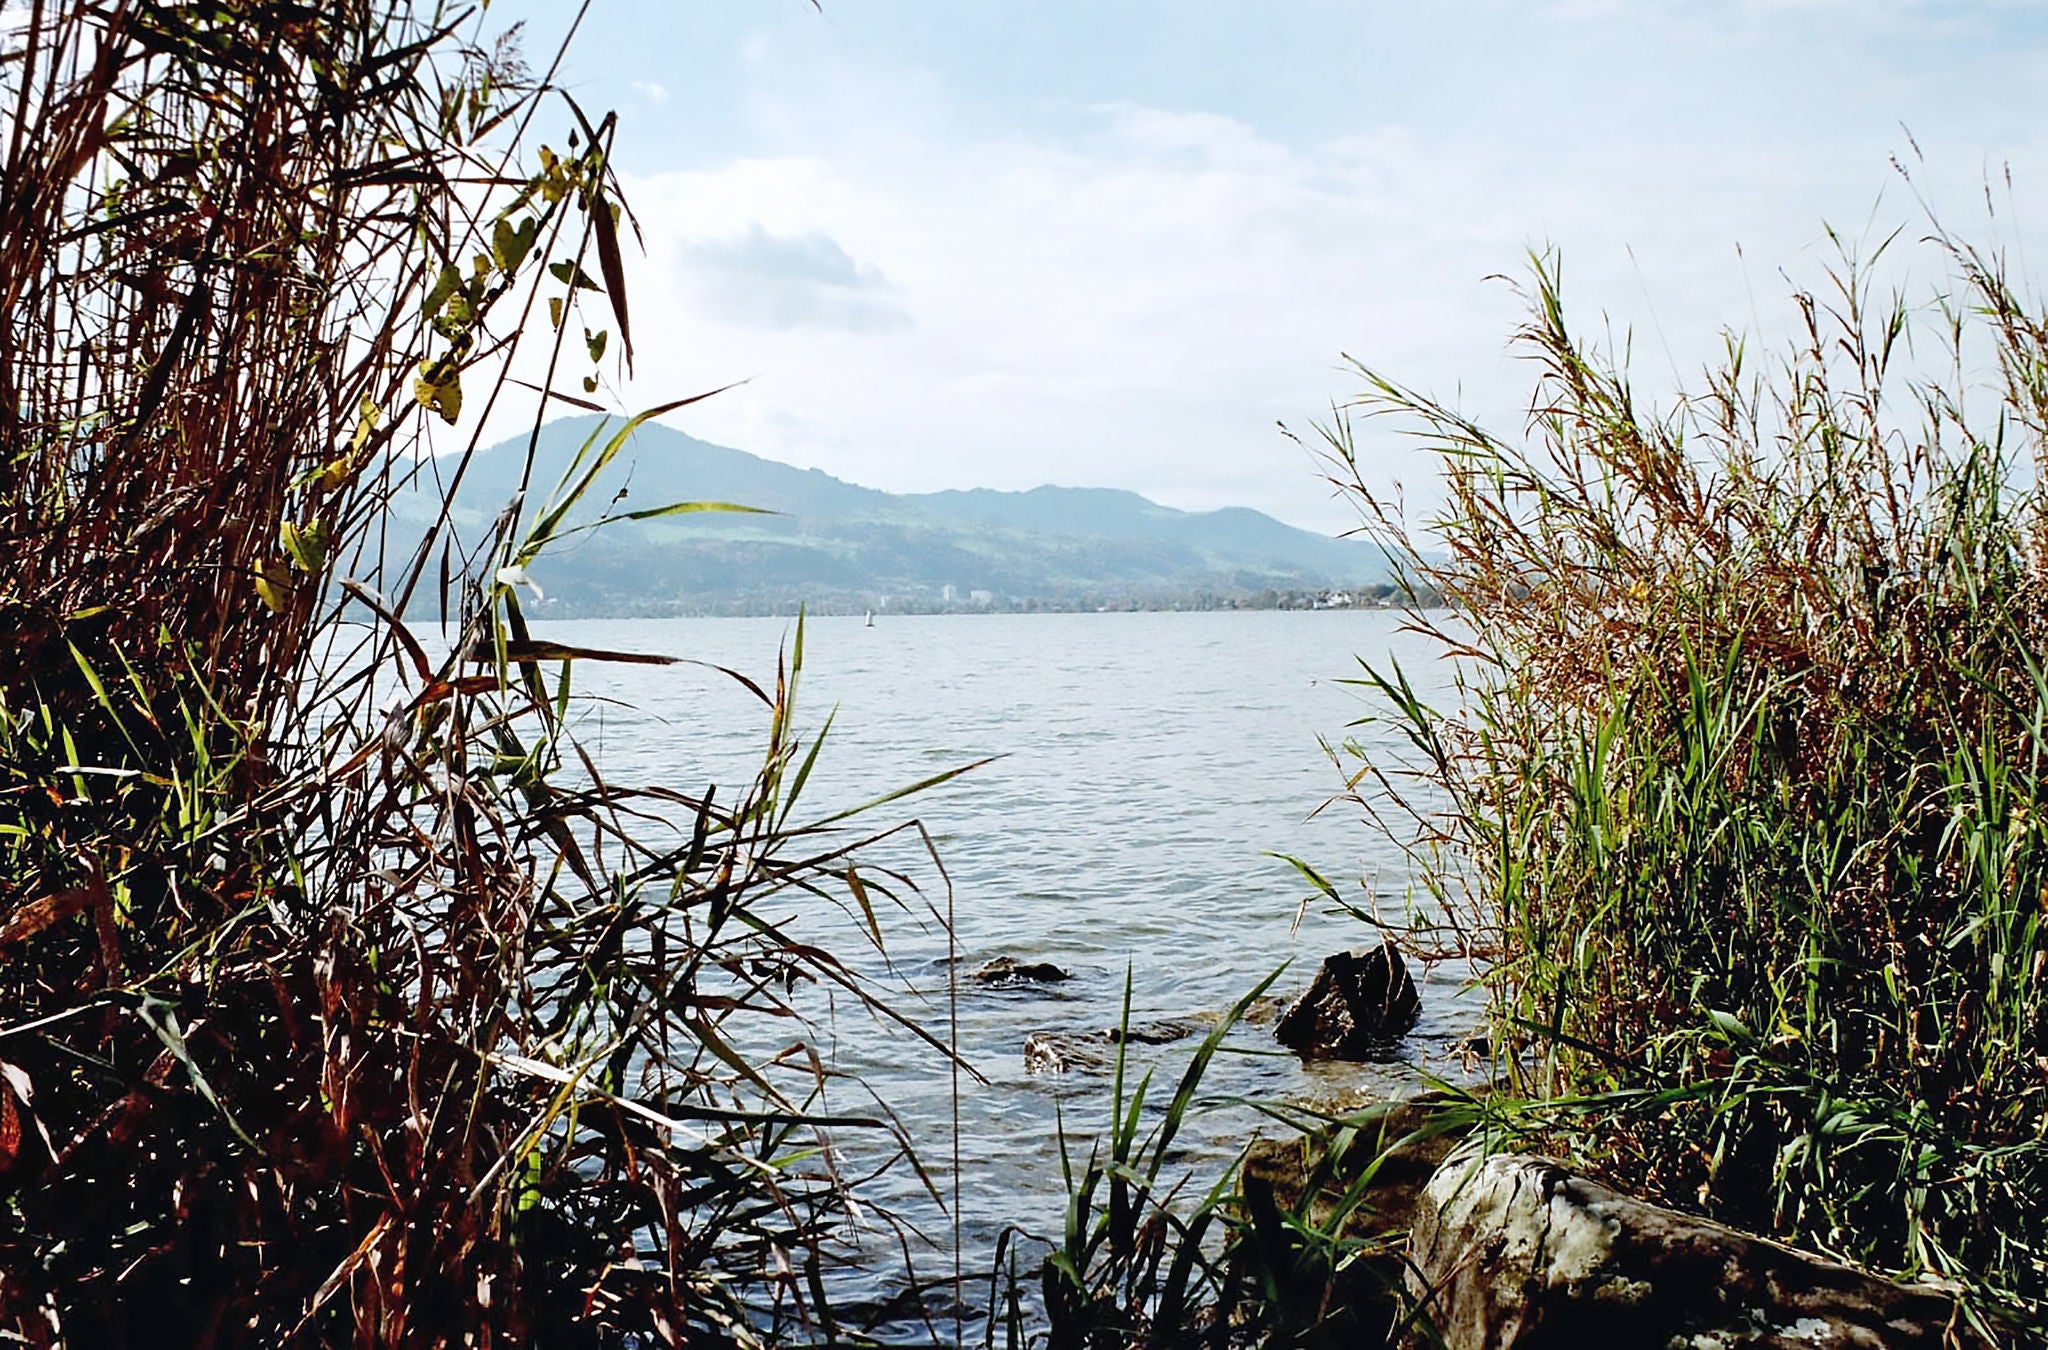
(1515, 1252)
(1061, 1052)
(1359, 1002)
(1003, 973)
(1263, 1011)
(1158, 1033)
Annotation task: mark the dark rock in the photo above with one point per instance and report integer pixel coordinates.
(1513, 1253)
(1004, 973)
(1359, 1003)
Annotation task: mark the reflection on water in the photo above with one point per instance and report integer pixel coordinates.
(1149, 764)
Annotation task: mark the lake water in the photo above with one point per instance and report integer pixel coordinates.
(1149, 765)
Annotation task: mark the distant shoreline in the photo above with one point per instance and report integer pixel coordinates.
(1319, 602)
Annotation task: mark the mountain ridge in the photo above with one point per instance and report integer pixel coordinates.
(835, 545)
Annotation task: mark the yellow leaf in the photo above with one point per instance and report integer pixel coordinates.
(444, 397)
(448, 400)
(274, 584)
(366, 422)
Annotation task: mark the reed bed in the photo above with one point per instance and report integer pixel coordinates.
(1746, 815)
(343, 998)
(1149, 1256)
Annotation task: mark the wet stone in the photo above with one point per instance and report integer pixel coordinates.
(1004, 973)
(1063, 1052)
(1358, 1005)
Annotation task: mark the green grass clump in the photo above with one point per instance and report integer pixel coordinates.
(1746, 810)
(1289, 1245)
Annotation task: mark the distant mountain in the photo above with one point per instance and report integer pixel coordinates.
(836, 546)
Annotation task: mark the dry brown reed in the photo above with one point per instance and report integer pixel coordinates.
(342, 999)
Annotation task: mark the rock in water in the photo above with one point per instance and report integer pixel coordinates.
(1163, 1032)
(1051, 1052)
(1003, 972)
(1060, 1051)
(1514, 1253)
(1358, 1003)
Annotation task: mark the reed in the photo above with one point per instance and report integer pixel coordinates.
(1148, 1257)
(343, 997)
(1744, 812)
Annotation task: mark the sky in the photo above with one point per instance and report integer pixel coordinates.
(1000, 243)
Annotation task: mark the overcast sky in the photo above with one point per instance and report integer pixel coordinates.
(1111, 242)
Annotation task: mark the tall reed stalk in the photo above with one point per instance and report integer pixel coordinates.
(1748, 801)
(343, 997)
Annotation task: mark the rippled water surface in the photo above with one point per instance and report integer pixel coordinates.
(1149, 764)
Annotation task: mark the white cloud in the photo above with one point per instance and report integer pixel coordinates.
(1134, 312)
(928, 291)
(651, 90)
(764, 280)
